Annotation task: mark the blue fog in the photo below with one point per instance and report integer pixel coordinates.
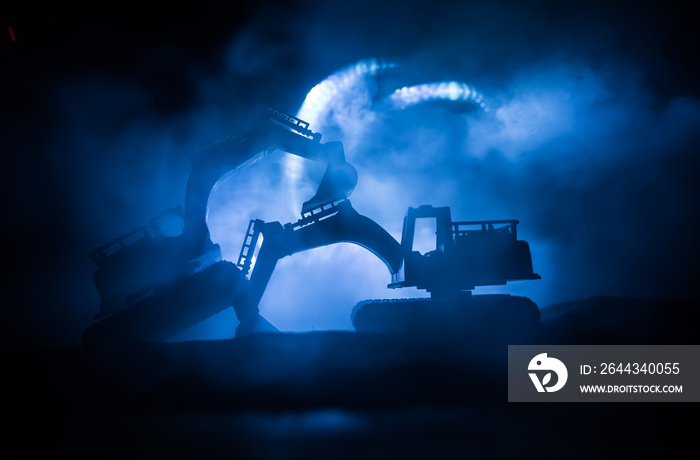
(581, 143)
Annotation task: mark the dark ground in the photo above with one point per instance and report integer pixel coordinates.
(437, 390)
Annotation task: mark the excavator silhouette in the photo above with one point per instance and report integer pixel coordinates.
(157, 280)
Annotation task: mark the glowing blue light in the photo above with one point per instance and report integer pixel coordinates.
(446, 91)
(337, 90)
(318, 99)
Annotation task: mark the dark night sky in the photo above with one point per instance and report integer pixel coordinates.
(591, 141)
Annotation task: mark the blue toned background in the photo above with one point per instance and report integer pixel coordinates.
(590, 140)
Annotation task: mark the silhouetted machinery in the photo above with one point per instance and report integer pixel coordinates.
(164, 277)
(466, 255)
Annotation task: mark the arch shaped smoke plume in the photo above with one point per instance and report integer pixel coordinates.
(344, 100)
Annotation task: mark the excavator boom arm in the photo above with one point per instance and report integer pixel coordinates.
(216, 162)
(337, 224)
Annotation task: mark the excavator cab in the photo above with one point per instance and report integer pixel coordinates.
(466, 254)
(132, 266)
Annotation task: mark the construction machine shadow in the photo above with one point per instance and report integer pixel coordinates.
(168, 275)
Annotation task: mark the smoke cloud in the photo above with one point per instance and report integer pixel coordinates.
(590, 141)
